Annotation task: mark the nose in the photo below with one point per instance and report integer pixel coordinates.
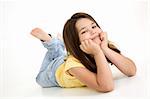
(92, 31)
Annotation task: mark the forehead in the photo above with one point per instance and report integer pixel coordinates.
(83, 22)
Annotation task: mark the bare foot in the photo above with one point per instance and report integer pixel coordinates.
(40, 34)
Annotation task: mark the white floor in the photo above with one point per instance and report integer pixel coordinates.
(124, 87)
(21, 54)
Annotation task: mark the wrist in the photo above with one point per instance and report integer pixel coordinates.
(104, 48)
(98, 52)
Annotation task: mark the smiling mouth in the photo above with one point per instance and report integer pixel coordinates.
(95, 36)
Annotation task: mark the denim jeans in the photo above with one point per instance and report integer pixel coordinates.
(53, 59)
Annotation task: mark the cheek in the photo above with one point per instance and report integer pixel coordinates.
(84, 37)
(99, 30)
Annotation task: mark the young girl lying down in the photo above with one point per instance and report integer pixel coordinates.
(82, 58)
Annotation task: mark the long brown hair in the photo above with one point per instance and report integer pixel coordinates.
(72, 42)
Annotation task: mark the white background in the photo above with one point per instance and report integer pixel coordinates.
(125, 21)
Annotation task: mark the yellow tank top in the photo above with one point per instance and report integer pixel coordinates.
(63, 78)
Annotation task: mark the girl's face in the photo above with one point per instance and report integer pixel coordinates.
(88, 29)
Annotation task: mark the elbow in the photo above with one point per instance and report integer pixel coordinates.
(131, 69)
(132, 72)
(106, 88)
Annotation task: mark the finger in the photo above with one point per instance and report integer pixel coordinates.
(101, 36)
(90, 42)
(82, 48)
(105, 35)
(86, 43)
(83, 45)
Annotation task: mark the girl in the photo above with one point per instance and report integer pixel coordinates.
(85, 58)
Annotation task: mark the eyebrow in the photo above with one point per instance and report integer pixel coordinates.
(86, 26)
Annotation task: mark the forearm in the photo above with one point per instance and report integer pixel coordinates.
(124, 64)
(104, 75)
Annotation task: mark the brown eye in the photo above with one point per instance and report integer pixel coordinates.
(94, 27)
(83, 32)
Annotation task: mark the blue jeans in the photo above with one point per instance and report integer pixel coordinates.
(53, 59)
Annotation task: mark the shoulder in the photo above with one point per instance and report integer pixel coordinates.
(72, 62)
(71, 57)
